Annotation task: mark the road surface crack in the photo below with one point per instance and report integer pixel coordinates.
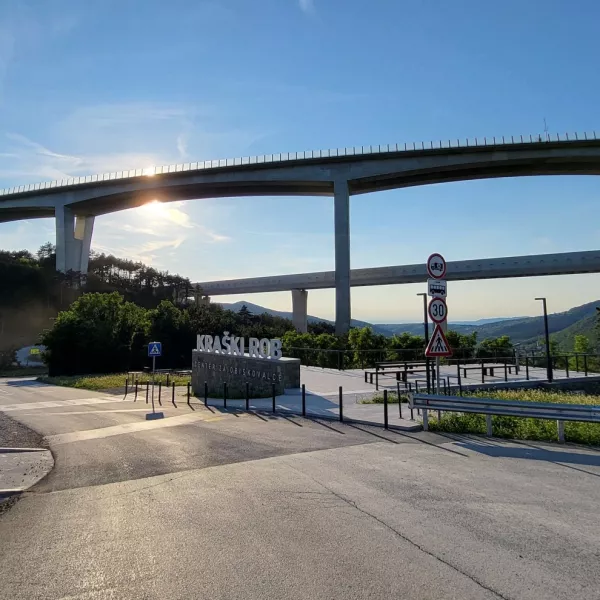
(402, 536)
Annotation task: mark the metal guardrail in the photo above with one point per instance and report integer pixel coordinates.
(509, 408)
(306, 155)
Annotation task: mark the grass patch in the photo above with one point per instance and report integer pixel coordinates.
(104, 382)
(392, 399)
(518, 427)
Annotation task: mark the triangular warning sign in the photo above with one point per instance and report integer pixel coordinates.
(438, 344)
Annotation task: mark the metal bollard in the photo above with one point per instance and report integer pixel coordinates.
(527, 367)
(303, 400)
(505, 372)
(385, 409)
(341, 405)
(273, 391)
(585, 365)
(136, 390)
(399, 401)
(247, 396)
(225, 395)
(173, 394)
(206, 393)
(188, 393)
(147, 390)
(159, 391)
(126, 387)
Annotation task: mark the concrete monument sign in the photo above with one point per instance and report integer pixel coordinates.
(223, 359)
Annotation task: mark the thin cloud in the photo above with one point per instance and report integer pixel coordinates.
(182, 146)
(307, 6)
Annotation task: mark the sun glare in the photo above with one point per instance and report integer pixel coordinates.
(154, 208)
(149, 171)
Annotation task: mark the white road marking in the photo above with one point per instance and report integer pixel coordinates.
(103, 432)
(53, 404)
(93, 412)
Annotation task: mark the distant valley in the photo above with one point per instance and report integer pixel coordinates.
(525, 331)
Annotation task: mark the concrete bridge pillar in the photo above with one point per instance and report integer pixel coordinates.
(73, 240)
(342, 256)
(299, 310)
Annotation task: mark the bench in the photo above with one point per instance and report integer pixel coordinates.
(487, 370)
(401, 375)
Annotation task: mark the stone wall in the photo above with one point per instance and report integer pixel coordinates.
(235, 371)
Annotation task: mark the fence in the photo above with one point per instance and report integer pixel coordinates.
(346, 358)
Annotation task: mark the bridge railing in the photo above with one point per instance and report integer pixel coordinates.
(295, 156)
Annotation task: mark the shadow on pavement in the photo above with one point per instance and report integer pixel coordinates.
(533, 453)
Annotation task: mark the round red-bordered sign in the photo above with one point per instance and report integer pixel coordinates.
(436, 266)
(437, 310)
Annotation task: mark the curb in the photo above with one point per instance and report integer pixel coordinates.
(8, 450)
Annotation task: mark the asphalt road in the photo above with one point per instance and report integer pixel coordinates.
(211, 505)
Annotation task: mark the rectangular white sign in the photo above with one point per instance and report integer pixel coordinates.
(437, 288)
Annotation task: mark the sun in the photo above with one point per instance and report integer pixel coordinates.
(154, 209)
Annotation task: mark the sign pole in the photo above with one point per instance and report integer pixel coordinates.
(154, 350)
(437, 375)
(153, 372)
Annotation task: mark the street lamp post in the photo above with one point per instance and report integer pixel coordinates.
(548, 357)
(426, 326)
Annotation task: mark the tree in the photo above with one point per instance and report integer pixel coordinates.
(500, 347)
(581, 344)
(363, 343)
(100, 333)
(463, 345)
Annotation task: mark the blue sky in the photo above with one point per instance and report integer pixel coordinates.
(91, 87)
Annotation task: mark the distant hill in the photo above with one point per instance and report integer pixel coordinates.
(521, 330)
(259, 310)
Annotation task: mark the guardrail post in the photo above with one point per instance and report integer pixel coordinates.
(188, 393)
(567, 366)
(206, 393)
(482, 372)
(173, 394)
(341, 404)
(488, 425)
(136, 390)
(303, 400)
(147, 390)
(561, 431)
(224, 395)
(247, 396)
(577, 362)
(527, 367)
(376, 378)
(159, 390)
(505, 372)
(425, 420)
(585, 364)
(385, 409)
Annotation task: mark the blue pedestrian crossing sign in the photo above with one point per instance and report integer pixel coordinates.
(154, 349)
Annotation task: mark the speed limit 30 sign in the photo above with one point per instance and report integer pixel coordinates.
(438, 311)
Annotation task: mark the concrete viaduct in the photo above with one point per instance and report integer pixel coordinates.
(566, 263)
(340, 173)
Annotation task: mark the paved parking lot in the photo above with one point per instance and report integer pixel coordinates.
(213, 504)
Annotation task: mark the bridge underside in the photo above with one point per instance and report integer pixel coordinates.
(339, 173)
